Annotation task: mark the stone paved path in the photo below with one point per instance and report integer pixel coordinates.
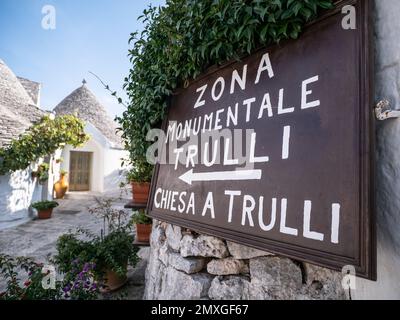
(37, 238)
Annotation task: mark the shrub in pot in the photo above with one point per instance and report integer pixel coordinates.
(111, 251)
(44, 208)
(143, 225)
(139, 177)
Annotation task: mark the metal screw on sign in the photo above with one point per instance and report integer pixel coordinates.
(349, 280)
(383, 111)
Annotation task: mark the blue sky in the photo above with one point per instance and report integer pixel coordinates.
(90, 35)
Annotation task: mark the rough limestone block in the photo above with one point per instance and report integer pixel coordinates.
(228, 288)
(157, 237)
(274, 278)
(188, 265)
(155, 272)
(239, 251)
(227, 266)
(322, 284)
(174, 236)
(203, 246)
(181, 286)
(163, 254)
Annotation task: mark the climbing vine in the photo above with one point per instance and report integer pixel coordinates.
(41, 140)
(183, 38)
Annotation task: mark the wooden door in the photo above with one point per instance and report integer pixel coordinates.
(79, 171)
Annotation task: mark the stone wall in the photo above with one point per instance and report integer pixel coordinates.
(387, 86)
(187, 265)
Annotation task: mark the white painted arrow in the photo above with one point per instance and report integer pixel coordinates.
(190, 176)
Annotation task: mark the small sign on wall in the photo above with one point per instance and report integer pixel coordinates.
(276, 151)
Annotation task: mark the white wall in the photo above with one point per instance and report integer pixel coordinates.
(54, 175)
(387, 43)
(19, 190)
(106, 161)
(113, 173)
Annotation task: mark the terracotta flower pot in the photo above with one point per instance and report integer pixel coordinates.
(61, 186)
(143, 232)
(45, 214)
(113, 281)
(140, 192)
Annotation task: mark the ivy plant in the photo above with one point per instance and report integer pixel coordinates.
(41, 140)
(141, 172)
(185, 37)
(42, 172)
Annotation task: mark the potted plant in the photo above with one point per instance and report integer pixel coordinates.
(111, 251)
(143, 224)
(61, 186)
(139, 177)
(44, 208)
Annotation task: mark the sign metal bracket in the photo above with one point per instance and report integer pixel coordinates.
(383, 111)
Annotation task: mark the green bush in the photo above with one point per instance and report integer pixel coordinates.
(185, 37)
(115, 251)
(112, 249)
(42, 173)
(23, 278)
(41, 140)
(44, 205)
(141, 172)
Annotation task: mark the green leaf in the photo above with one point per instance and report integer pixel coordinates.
(182, 39)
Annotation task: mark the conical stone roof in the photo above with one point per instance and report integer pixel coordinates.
(18, 111)
(83, 103)
(32, 88)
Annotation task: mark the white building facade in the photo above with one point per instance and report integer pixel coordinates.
(94, 167)
(20, 109)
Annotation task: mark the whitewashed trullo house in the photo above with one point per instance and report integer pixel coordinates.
(94, 167)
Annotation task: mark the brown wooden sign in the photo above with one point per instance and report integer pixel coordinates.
(275, 151)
